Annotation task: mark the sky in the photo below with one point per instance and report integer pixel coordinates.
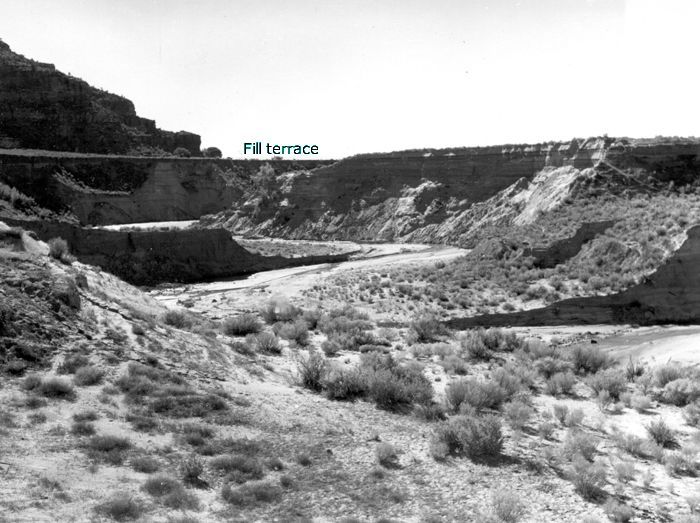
(357, 76)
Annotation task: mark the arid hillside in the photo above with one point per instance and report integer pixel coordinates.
(42, 108)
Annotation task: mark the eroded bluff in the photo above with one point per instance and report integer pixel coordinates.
(448, 195)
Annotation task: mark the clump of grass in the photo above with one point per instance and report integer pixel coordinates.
(312, 371)
(161, 485)
(304, 459)
(279, 309)
(121, 507)
(660, 432)
(179, 319)
(145, 464)
(82, 428)
(507, 506)
(242, 325)
(612, 381)
(191, 469)
(108, 448)
(56, 388)
(588, 478)
(86, 415)
(88, 375)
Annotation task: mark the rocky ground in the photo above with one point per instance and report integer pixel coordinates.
(118, 407)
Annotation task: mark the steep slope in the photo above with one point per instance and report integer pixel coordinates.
(42, 108)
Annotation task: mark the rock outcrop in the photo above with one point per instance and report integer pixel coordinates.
(42, 108)
(669, 295)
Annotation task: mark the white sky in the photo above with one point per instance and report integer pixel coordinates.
(365, 76)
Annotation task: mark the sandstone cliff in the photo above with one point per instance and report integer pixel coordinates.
(42, 108)
(670, 295)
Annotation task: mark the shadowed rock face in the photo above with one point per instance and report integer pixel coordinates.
(101, 190)
(562, 250)
(150, 257)
(42, 108)
(670, 295)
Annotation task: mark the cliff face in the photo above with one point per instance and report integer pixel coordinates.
(669, 295)
(42, 108)
(445, 195)
(102, 190)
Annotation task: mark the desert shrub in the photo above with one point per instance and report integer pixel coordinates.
(191, 469)
(691, 414)
(612, 381)
(548, 366)
(430, 411)
(634, 369)
(312, 371)
(56, 388)
(478, 394)
(681, 391)
(394, 387)
(477, 437)
(297, 331)
(618, 512)
(108, 448)
(560, 411)
(58, 249)
(162, 485)
(660, 432)
(574, 417)
(560, 383)
(517, 414)
(425, 329)
(580, 443)
(343, 384)
(120, 507)
(82, 428)
(473, 344)
(304, 459)
(88, 375)
(252, 494)
(588, 478)
(453, 364)
(182, 152)
(179, 319)
(279, 309)
(145, 464)
(72, 363)
(630, 443)
(239, 468)
(266, 342)
(667, 373)
(242, 325)
(681, 463)
(508, 380)
(625, 471)
(640, 403)
(546, 429)
(31, 382)
(507, 506)
(331, 347)
(387, 455)
(196, 434)
(312, 317)
(589, 359)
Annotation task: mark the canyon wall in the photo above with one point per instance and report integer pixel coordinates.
(434, 195)
(101, 190)
(42, 108)
(670, 295)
